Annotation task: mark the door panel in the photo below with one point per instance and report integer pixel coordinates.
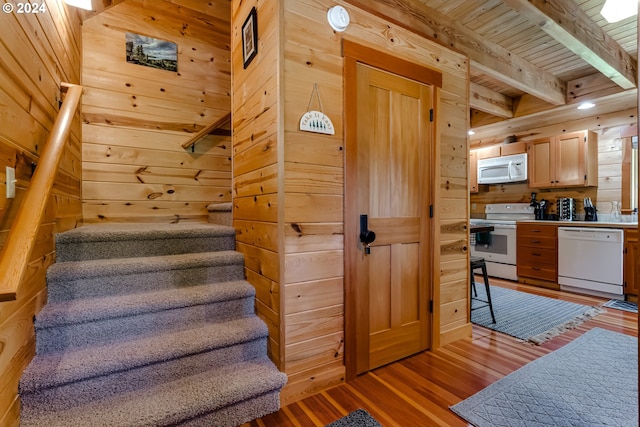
(393, 189)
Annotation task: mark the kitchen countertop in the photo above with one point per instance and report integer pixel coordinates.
(602, 224)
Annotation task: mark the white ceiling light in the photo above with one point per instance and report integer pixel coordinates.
(82, 4)
(617, 10)
(586, 105)
(471, 132)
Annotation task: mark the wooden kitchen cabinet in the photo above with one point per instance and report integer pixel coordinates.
(631, 264)
(537, 253)
(473, 171)
(569, 160)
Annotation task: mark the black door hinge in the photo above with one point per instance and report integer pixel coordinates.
(430, 211)
(431, 115)
(431, 306)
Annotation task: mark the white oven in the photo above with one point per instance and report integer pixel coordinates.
(497, 247)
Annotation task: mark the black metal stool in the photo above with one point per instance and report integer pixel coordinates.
(478, 262)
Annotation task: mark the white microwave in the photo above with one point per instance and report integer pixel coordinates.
(503, 169)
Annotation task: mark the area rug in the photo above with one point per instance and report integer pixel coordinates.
(358, 418)
(529, 317)
(592, 381)
(622, 305)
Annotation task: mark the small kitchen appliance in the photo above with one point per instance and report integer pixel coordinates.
(566, 209)
(590, 213)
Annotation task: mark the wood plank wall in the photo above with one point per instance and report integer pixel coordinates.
(609, 181)
(289, 185)
(136, 117)
(37, 53)
(257, 175)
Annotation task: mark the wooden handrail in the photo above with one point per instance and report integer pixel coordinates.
(22, 235)
(207, 130)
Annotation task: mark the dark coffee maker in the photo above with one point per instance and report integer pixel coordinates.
(541, 212)
(590, 213)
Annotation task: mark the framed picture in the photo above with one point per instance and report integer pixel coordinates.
(151, 52)
(250, 37)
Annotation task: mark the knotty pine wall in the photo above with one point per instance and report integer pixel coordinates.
(609, 181)
(37, 53)
(289, 185)
(136, 118)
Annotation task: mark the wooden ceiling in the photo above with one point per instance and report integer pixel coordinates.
(531, 61)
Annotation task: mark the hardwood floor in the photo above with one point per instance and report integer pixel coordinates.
(417, 391)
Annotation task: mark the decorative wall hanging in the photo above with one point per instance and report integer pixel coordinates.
(150, 52)
(250, 37)
(316, 121)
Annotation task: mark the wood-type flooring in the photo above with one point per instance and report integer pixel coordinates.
(417, 391)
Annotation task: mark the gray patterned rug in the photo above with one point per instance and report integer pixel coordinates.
(622, 305)
(592, 381)
(358, 418)
(529, 317)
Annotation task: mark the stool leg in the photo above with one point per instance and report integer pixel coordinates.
(473, 285)
(486, 285)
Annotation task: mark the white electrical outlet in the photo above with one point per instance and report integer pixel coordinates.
(11, 182)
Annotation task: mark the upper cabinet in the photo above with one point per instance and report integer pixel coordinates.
(500, 150)
(568, 160)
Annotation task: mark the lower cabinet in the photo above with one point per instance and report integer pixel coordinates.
(537, 254)
(631, 262)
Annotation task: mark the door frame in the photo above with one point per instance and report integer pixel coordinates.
(354, 53)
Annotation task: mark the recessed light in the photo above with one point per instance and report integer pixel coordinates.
(617, 10)
(586, 105)
(471, 132)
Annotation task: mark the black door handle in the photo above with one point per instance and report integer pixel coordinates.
(366, 236)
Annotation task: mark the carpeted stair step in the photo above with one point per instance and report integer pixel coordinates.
(107, 277)
(225, 396)
(102, 320)
(114, 240)
(58, 368)
(221, 213)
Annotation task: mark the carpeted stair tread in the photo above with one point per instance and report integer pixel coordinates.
(109, 307)
(174, 401)
(128, 231)
(53, 369)
(114, 240)
(74, 270)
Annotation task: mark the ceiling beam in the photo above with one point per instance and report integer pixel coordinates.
(568, 24)
(611, 110)
(489, 58)
(487, 100)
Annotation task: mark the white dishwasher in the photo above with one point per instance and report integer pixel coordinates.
(590, 260)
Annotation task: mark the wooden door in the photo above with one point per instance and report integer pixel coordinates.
(570, 168)
(473, 171)
(393, 157)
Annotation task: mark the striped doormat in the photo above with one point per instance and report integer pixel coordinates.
(529, 317)
(622, 305)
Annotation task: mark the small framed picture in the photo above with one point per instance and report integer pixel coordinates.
(250, 37)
